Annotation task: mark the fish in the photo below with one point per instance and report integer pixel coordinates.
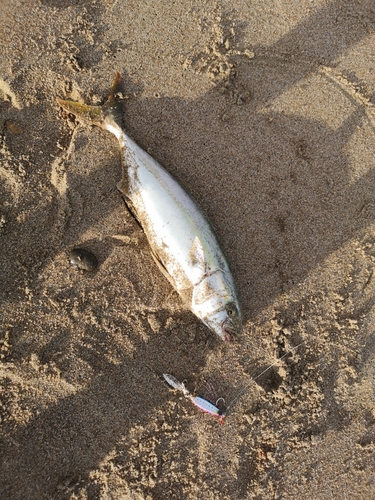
(182, 241)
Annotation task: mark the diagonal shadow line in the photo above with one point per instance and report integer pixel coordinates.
(36, 432)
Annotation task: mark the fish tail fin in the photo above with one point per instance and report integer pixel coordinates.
(107, 116)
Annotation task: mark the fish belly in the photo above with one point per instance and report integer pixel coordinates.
(169, 217)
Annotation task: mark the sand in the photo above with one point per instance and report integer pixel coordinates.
(265, 112)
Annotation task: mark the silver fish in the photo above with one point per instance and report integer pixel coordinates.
(182, 241)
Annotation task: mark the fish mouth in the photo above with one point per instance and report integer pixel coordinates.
(229, 330)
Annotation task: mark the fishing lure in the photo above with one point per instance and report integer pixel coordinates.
(209, 407)
(202, 403)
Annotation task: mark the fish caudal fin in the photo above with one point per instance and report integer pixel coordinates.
(107, 116)
(92, 115)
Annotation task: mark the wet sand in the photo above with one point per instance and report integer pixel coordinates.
(265, 112)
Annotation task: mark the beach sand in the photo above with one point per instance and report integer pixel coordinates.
(265, 112)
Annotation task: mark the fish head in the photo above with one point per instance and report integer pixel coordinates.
(215, 302)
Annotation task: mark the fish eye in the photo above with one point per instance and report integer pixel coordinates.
(231, 310)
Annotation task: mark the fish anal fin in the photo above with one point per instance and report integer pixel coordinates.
(130, 206)
(162, 268)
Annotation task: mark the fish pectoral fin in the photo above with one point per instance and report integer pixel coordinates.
(163, 269)
(130, 206)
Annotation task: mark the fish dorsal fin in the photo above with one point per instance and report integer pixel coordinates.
(198, 258)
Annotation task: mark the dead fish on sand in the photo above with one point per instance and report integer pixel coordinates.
(182, 241)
